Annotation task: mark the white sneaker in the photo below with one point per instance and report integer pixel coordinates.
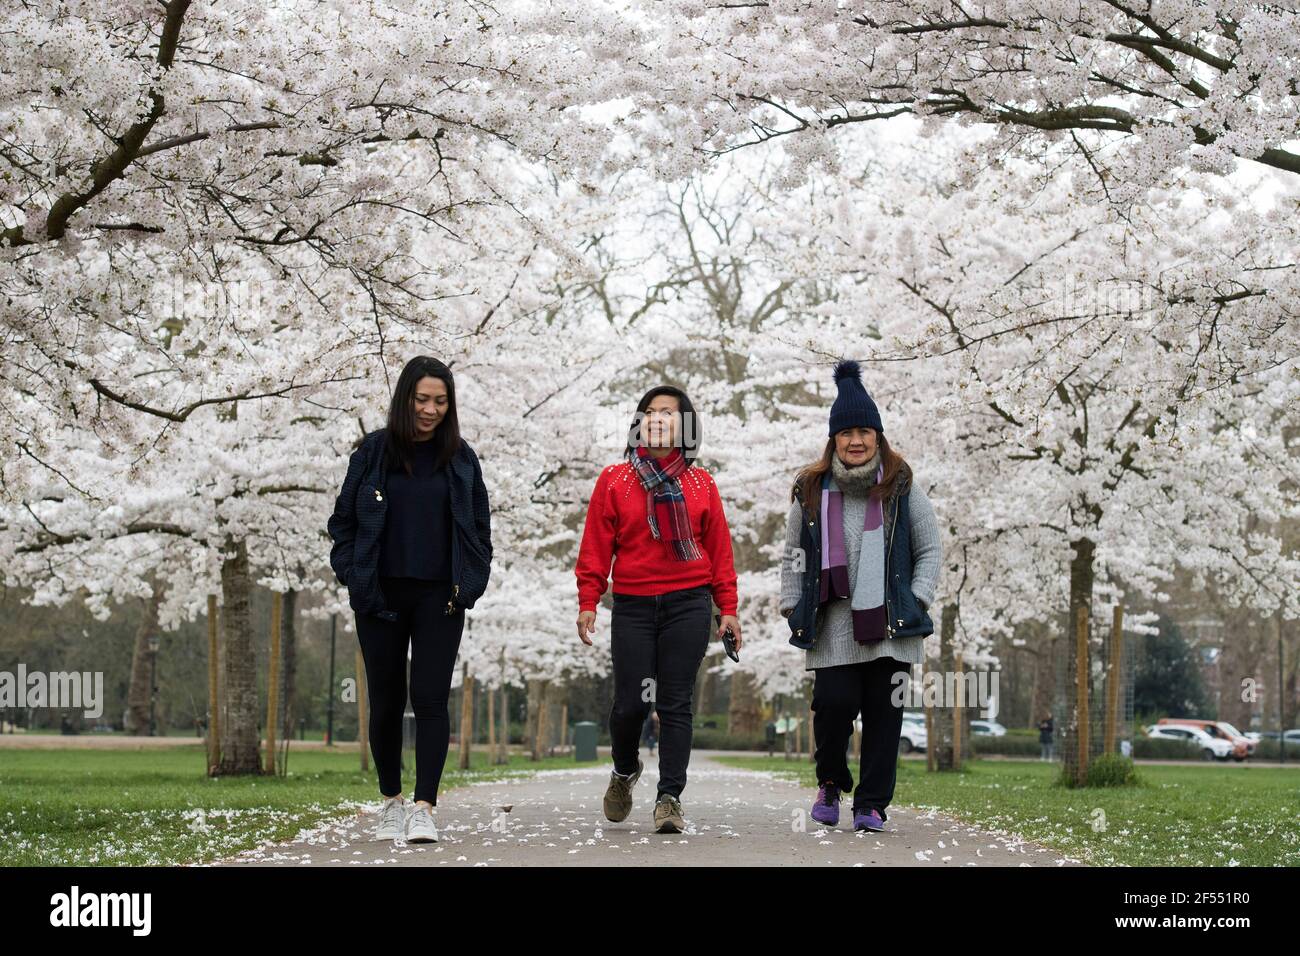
(419, 825)
(392, 819)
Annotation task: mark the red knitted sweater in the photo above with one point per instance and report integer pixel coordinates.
(617, 530)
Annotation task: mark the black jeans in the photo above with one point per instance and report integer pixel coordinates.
(839, 694)
(434, 639)
(657, 642)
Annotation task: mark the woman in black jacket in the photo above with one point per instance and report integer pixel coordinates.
(412, 543)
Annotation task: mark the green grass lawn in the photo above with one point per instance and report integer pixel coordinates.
(143, 807)
(1176, 816)
(171, 732)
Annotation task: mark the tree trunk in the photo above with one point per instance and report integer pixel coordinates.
(288, 663)
(466, 716)
(704, 690)
(214, 697)
(503, 755)
(808, 737)
(1286, 704)
(542, 724)
(931, 735)
(948, 725)
(239, 742)
(533, 691)
(1081, 581)
(744, 715)
(273, 683)
(363, 714)
(1114, 725)
(223, 704)
(798, 736)
(139, 693)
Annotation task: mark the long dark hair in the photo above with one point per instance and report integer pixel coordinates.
(688, 435)
(809, 478)
(399, 444)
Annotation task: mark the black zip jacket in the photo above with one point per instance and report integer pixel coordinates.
(357, 528)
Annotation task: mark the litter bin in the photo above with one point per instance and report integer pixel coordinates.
(584, 740)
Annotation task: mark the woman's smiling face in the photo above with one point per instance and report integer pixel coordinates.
(430, 403)
(855, 446)
(660, 423)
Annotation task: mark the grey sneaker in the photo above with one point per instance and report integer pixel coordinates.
(668, 814)
(618, 795)
(419, 825)
(392, 819)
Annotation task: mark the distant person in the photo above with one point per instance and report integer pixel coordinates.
(650, 731)
(1045, 735)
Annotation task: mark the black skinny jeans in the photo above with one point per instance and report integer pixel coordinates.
(839, 694)
(657, 642)
(434, 639)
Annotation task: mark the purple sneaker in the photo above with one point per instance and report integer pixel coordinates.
(826, 808)
(867, 818)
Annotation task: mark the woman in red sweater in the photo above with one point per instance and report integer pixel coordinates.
(658, 517)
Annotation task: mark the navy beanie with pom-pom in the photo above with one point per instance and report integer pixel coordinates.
(854, 407)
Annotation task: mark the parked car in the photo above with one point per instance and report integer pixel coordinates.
(1242, 746)
(1290, 736)
(987, 728)
(1211, 748)
(912, 736)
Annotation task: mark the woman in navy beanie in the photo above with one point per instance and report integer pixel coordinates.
(858, 602)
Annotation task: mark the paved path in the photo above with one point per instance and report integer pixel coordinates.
(733, 818)
(91, 741)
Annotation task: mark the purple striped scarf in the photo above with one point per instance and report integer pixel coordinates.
(868, 592)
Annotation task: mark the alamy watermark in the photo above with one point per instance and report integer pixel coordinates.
(948, 689)
(62, 690)
(75, 909)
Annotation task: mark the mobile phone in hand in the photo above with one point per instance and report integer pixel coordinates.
(728, 639)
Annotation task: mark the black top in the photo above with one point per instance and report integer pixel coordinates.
(417, 526)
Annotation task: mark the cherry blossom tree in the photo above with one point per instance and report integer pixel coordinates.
(1133, 89)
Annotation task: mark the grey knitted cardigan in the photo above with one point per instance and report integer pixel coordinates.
(835, 644)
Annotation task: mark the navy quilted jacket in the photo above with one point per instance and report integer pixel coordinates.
(357, 528)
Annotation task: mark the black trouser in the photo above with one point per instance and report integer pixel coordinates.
(839, 695)
(434, 638)
(657, 642)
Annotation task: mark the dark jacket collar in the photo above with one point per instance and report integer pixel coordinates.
(461, 464)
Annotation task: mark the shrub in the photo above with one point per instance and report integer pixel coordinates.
(1153, 748)
(1016, 745)
(1111, 770)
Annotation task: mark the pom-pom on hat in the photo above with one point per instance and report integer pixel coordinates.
(853, 408)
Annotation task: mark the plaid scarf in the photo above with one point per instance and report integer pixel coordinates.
(868, 591)
(665, 504)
